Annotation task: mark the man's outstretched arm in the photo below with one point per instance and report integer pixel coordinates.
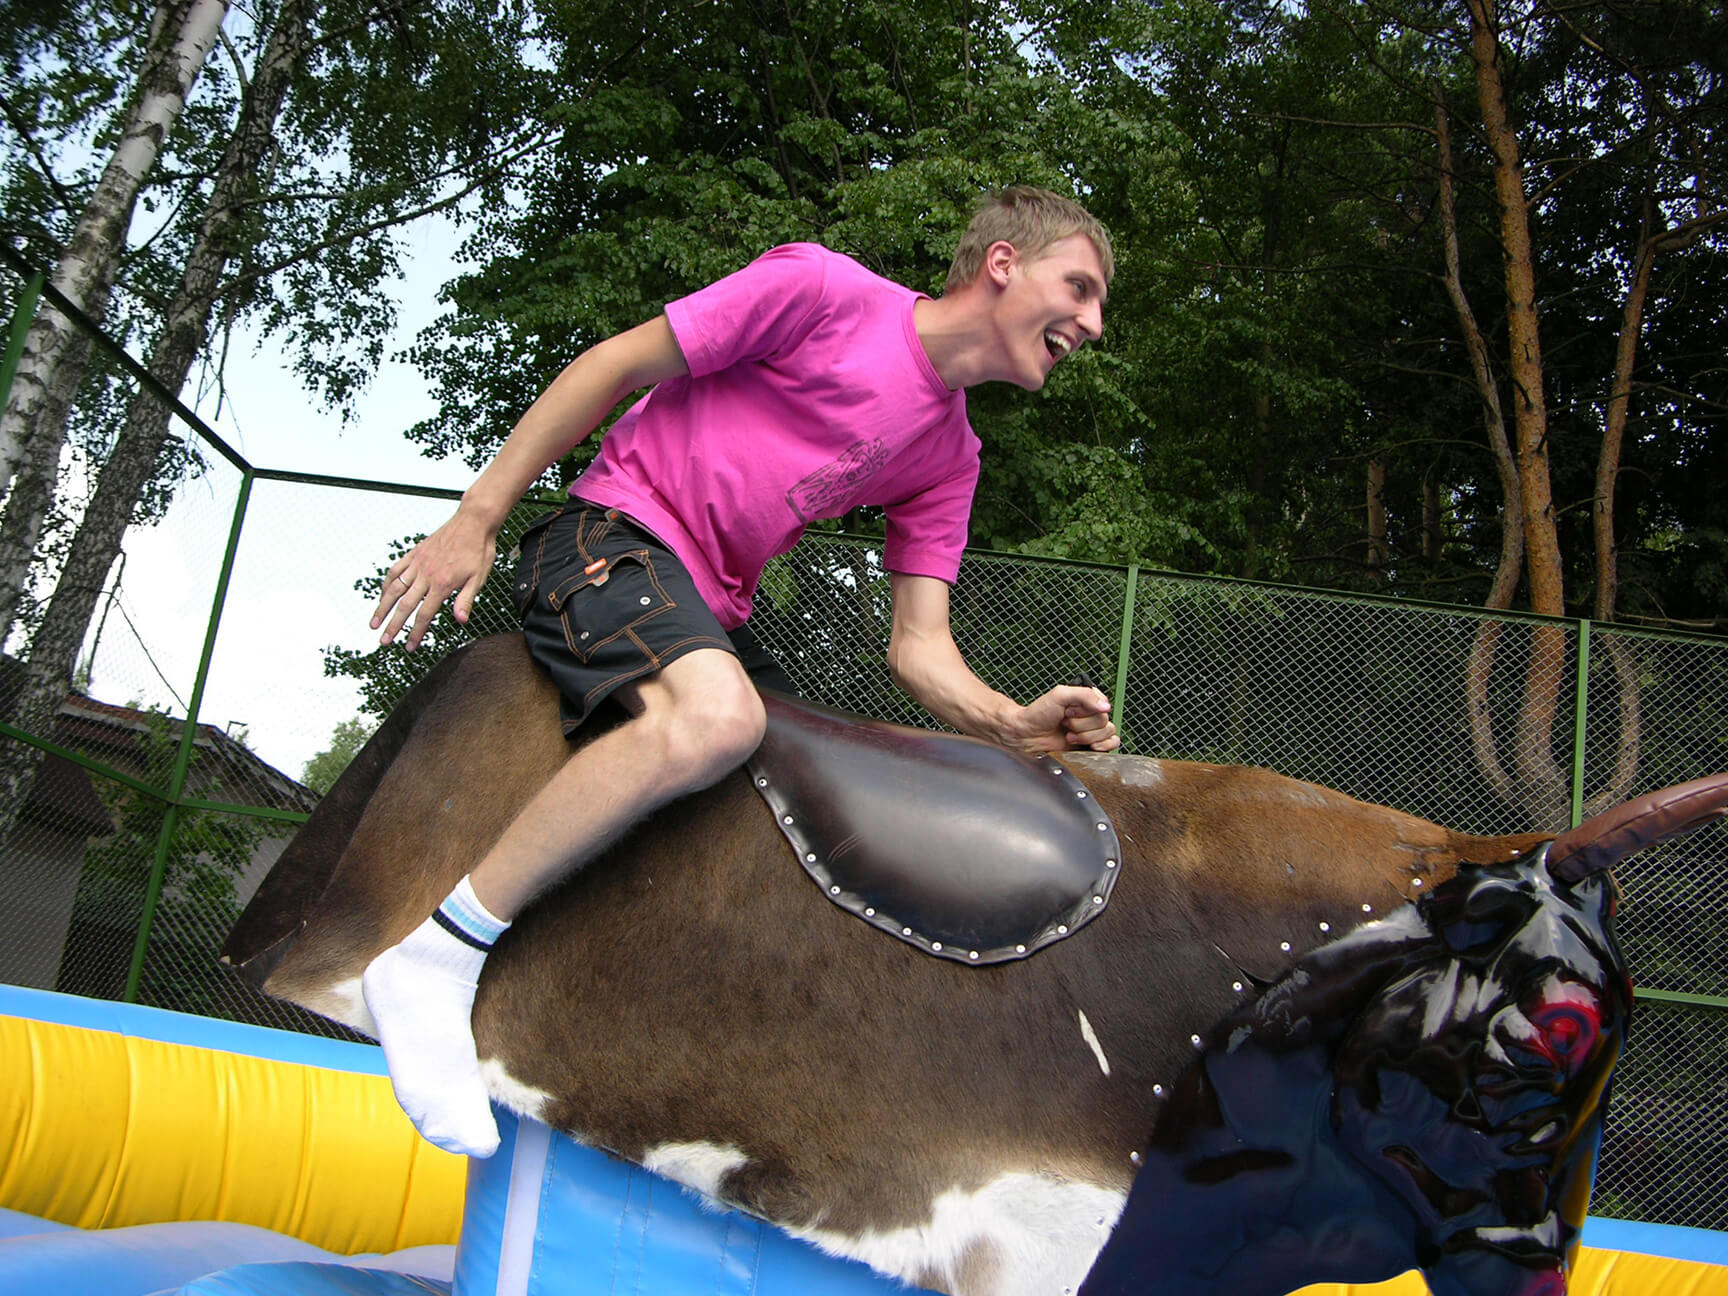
(457, 557)
(924, 661)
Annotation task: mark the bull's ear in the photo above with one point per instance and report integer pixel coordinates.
(1482, 907)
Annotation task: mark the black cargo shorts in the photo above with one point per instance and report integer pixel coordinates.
(603, 602)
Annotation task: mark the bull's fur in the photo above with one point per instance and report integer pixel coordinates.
(692, 986)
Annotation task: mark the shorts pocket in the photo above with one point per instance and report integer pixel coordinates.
(529, 546)
(607, 598)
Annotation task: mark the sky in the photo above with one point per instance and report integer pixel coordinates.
(301, 547)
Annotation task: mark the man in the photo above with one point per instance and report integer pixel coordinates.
(798, 388)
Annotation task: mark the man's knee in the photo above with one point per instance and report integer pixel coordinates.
(706, 725)
(723, 728)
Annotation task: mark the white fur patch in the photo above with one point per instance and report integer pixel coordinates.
(701, 1166)
(1019, 1235)
(1310, 794)
(1130, 771)
(341, 1001)
(524, 1100)
(1091, 1038)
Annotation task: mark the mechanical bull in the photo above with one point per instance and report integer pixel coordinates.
(1309, 1038)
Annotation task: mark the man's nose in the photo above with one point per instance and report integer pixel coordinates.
(1091, 321)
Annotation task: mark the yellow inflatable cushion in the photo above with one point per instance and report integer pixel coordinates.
(1597, 1273)
(107, 1130)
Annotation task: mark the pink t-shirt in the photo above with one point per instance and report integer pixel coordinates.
(809, 394)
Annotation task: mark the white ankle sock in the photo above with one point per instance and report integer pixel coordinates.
(421, 995)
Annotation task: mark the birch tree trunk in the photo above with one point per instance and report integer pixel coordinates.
(33, 424)
(133, 461)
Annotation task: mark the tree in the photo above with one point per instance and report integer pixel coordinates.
(323, 769)
(322, 83)
(180, 35)
(686, 148)
(202, 860)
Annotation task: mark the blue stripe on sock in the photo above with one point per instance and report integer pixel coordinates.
(471, 917)
(456, 929)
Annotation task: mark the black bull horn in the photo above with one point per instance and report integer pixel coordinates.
(1440, 1065)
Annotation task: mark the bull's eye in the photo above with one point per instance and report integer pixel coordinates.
(1567, 1030)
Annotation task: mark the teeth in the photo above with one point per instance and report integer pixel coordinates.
(1057, 342)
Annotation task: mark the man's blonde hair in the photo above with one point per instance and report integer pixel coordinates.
(1031, 219)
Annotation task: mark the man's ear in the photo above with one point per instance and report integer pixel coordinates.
(1000, 258)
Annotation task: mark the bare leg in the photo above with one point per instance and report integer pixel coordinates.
(694, 722)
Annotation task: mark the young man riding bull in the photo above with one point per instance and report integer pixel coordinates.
(798, 388)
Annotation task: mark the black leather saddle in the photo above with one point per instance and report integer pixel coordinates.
(964, 849)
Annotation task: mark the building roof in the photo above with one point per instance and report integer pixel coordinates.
(222, 769)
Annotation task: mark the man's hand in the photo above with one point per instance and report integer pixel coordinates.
(456, 558)
(1067, 717)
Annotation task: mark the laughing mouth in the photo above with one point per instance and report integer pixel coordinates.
(1057, 344)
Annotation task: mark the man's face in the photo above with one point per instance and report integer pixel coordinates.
(1050, 306)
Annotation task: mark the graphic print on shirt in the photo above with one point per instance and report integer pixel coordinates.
(831, 489)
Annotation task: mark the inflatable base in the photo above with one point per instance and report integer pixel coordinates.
(153, 1153)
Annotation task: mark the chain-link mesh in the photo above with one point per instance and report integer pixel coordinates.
(1665, 1157)
(1423, 708)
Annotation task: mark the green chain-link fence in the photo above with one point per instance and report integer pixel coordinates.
(139, 841)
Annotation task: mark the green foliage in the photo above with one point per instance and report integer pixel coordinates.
(1277, 324)
(323, 769)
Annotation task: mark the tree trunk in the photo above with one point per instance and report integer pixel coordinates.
(1511, 565)
(1479, 669)
(52, 362)
(1613, 437)
(1530, 410)
(134, 458)
(1378, 549)
(36, 484)
(1541, 786)
(1433, 535)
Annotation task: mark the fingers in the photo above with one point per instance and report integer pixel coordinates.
(1086, 720)
(1091, 730)
(407, 594)
(404, 597)
(455, 559)
(390, 592)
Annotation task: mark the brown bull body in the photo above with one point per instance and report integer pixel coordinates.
(690, 1000)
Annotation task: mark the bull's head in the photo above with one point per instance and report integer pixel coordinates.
(1426, 1091)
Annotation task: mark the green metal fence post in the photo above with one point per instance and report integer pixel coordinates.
(183, 757)
(23, 316)
(1580, 704)
(1117, 701)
